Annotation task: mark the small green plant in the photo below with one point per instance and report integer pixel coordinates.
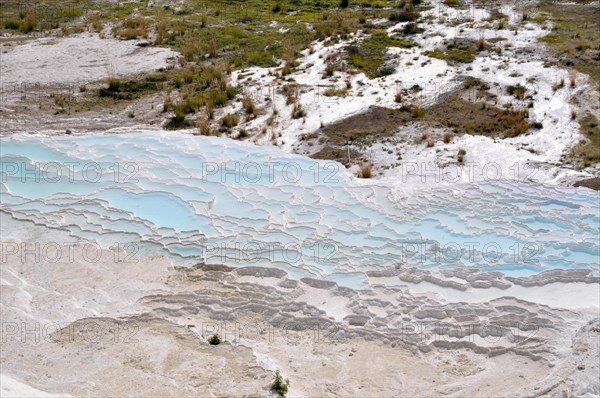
(452, 55)
(279, 385)
(11, 24)
(114, 85)
(214, 340)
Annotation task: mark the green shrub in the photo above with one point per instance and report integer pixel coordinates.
(11, 24)
(279, 385)
(114, 85)
(214, 340)
(452, 55)
(369, 55)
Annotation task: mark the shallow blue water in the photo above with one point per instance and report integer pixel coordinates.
(216, 200)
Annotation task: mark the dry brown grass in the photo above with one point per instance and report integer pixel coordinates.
(587, 152)
(204, 128)
(398, 97)
(460, 157)
(161, 31)
(573, 78)
(291, 93)
(447, 138)
(249, 105)
(189, 48)
(465, 117)
(132, 28)
(481, 44)
(212, 46)
(558, 85)
(366, 170)
(417, 112)
(298, 111)
(230, 120)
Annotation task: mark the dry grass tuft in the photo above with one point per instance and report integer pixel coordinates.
(212, 46)
(298, 111)
(365, 170)
(558, 85)
(229, 120)
(132, 28)
(573, 78)
(249, 105)
(461, 155)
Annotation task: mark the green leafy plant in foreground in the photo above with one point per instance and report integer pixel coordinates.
(214, 340)
(279, 385)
